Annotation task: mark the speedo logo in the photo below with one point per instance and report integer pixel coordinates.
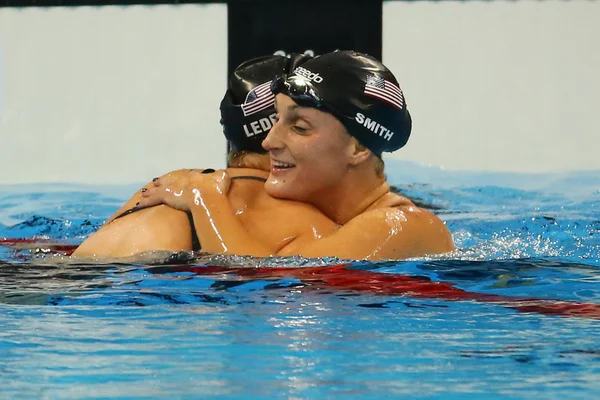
(311, 76)
(374, 126)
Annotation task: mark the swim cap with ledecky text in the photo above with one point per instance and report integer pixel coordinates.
(248, 108)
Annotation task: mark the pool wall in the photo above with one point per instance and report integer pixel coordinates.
(121, 94)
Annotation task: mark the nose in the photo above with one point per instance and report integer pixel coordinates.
(272, 141)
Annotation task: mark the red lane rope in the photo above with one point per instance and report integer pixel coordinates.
(50, 247)
(338, 277)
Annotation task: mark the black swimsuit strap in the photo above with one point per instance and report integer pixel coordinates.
(195, 241)
(127, 212)
(249, 177)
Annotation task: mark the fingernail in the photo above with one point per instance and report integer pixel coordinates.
(143, 190)
(154, 180)
(208, 171)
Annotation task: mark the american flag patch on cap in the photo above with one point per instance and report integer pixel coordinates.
(258, 99)
(384, 90)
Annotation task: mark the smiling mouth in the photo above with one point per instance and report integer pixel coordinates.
(279, 165)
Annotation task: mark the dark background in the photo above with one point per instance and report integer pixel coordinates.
(258, 27)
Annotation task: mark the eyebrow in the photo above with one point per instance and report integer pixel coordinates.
(294, 109)
(291, 107)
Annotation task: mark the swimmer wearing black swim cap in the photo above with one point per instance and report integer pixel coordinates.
(138, 226)
(313, 157)
(248, 110)
(359, 91)
(336, 115)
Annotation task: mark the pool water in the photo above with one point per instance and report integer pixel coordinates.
(513, 313)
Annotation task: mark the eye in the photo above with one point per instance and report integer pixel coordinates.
(300, 129)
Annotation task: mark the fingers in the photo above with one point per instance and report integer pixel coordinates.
(150, 198)
(149, 192)
(176, 182)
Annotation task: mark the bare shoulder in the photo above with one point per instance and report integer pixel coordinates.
(392, 200)
(425, 231)
(155, 228)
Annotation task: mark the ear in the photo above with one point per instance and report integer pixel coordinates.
(360, 153)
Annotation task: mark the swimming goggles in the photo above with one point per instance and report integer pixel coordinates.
(298, 89)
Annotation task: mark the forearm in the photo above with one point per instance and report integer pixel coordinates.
(219, 230)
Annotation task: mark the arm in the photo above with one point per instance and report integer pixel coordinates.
(205, 196)
(218, 229)
(383, 233)
(389, 233)
(137, 196)
(154, 228)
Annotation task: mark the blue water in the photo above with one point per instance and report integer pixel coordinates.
(235, 327)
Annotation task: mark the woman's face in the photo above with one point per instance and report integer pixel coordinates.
(310, 151)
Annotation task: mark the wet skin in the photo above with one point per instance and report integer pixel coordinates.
(313, 160)
(276, 223)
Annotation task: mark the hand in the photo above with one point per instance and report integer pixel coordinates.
(183, 188)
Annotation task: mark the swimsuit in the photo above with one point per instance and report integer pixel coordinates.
(195, 241)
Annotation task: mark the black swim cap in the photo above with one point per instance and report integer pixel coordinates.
(248, 108)
(358, 90)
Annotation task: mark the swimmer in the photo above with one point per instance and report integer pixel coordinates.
(336, 115)
(247, 113)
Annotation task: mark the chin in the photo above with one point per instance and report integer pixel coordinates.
(284, 190)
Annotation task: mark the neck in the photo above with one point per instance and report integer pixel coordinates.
(247, 159)
(358, 191)
(247, 163)
(245, 192)
(233, 172)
